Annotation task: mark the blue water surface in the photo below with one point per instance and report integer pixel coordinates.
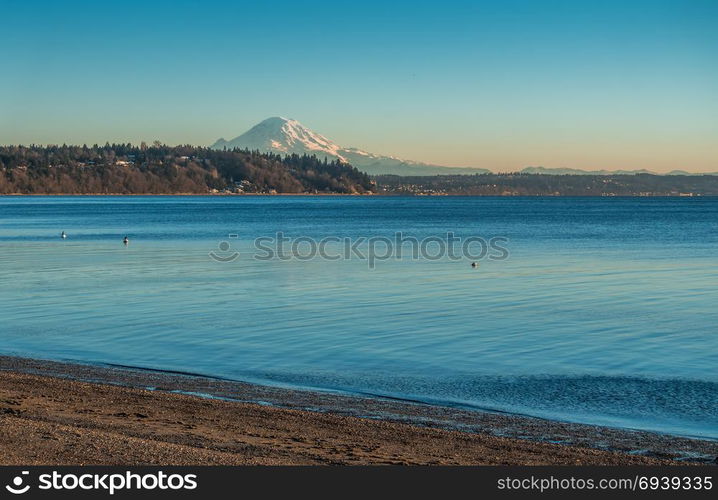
(605, 311)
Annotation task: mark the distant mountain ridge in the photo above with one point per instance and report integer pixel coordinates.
(576, 171)
(286, 136)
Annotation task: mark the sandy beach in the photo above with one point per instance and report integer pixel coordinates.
(50, 416)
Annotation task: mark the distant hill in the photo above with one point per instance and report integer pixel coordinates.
(285, 136)
(683, 172)
(576, 171)
(159, 169)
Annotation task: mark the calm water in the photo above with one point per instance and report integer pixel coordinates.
(605, 312)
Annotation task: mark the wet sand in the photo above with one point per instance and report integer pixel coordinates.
(55, 413)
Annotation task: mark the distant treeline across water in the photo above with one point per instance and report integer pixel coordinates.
(160, 169)
(520, 184)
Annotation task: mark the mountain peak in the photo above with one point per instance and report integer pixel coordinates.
(278, 134)
(276, 120)
(286, 136)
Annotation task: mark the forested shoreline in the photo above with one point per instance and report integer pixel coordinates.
(161, 169)
(522, 184)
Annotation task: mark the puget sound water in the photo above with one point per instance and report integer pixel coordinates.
(604, 311)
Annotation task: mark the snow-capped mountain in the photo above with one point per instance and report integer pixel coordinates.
(287, 136)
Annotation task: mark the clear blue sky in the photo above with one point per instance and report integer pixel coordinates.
(494, 84)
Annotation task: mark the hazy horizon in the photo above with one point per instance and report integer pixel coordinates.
(610, 86)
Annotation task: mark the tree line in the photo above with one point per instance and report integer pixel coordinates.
(162, 169)
(520, 184)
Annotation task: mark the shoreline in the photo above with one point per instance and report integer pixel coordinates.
(193, 194)
(58, 408)
(368, 194)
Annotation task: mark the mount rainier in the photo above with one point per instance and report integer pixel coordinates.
(287, 136)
